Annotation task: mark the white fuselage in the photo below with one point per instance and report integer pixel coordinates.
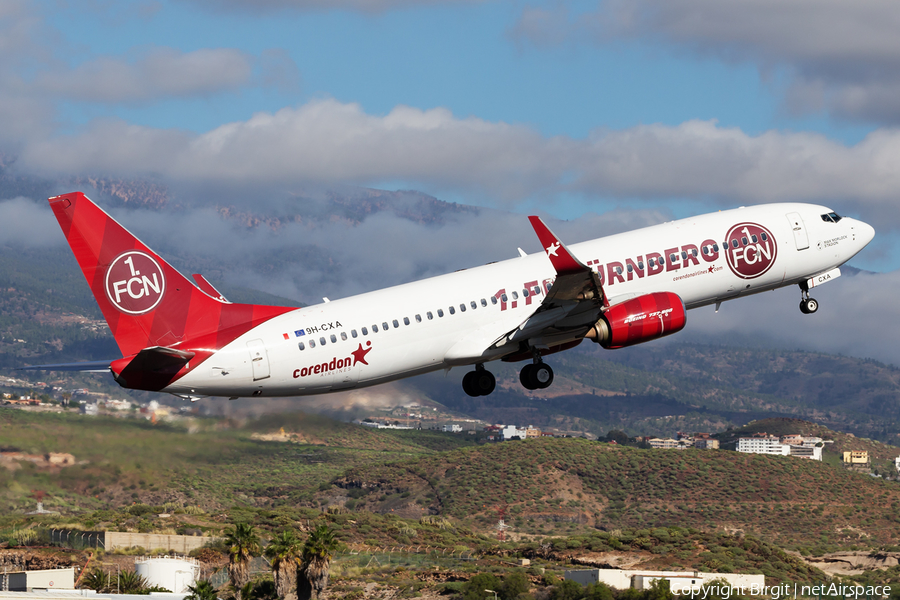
(439, 322)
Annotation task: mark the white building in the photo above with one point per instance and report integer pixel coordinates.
(46, 579)
(679, 581)
(807, 451)
(511, 431)
(454, 428)
(763, 445)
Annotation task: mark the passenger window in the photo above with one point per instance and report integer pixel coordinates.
(694, 252)
(630, 269)
(753, 238)
(406, 320)
(312, 343)
(333, 339)
(515, 295)
(353, 333)
(716, 246)
(462, 307)
(374, 328)
(504, 298)
(322, 341)
(744, 240)
(641, 265)
(302, 346)
(365, 331)
(764, 236)
(343, 336)
(651, 262)
(734, 244)
(683, 255)
(397, 324)
(483, 302)
(493, 299)
(705, 250)
(418, 318)
(473, 304)
(525, 293)
(452, 311)
(673, 258)
(385, 326)
(440, 312)
(429, 315)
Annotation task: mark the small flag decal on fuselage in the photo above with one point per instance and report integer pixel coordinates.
(300, 332)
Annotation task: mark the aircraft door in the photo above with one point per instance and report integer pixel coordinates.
(259, 359)
(801, 239)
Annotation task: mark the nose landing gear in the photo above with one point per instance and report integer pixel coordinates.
(807, 305)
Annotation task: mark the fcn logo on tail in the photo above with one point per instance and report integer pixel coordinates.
(135, 283)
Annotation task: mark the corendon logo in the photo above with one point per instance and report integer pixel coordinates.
(750, 250)
(336, 365)
(135, 283)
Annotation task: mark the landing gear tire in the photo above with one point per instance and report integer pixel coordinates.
(536, 376)
(808, 306)
(479, 382)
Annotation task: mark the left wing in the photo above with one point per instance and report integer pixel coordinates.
(568, 311)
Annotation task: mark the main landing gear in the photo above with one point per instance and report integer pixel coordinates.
(537, 375)
(479, 382)
(807, 305)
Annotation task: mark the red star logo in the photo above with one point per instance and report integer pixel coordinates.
(359, 355)
(711, 269)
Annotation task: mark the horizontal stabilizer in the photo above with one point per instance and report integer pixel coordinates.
(91, 366)
(150, 369)
(207, 288)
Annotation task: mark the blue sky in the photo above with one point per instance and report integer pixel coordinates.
(566, 107)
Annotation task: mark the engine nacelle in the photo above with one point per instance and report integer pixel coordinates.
(639, 320)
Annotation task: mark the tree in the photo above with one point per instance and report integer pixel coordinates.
(202, 590)
(318, 550)
(96, 580)
(243, 545)
(285, 553)
(514, 584)
(476, 588)
(129, 582)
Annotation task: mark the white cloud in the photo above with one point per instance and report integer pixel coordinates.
(327, 142)
(27, 224)
(839, 55)
(853, 313)
(162, 73)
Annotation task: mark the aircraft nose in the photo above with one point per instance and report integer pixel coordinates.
(866, 232)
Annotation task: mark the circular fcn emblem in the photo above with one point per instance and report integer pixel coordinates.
(750, 250)
(135, 283)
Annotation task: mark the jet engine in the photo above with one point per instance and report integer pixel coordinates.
(639, 320)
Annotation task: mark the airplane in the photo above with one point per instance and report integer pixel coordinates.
(185, 338)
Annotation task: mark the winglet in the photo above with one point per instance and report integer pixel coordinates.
(559, 255)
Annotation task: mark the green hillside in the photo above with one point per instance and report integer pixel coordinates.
(548, 482)
(211, 464)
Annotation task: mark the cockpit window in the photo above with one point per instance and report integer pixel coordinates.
(831, 217)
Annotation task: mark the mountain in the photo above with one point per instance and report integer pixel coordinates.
(558, 485)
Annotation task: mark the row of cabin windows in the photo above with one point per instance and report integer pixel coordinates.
(707, 250)
(406, 321)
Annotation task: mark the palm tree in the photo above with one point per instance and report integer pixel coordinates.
(319, 549)
(243, 545)
(285, 552)
(130, 582)
(97, 580)
(202, 590)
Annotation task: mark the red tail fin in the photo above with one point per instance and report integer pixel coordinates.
(145, 301)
